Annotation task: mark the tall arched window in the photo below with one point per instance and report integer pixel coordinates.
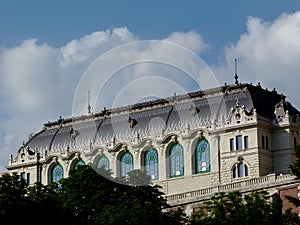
(78, 163)
(202, 157)
(57, 173)
(176, 161)
(240, 170)
(103, 163)
(151, 163)
(126, 163)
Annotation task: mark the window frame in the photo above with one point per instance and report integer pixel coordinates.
(106, 159)
(231, 143)
(246, 142)
(239, 142)
(173, 168)
(55, 167)
(199, 157)
(149, 168)
(122, 174)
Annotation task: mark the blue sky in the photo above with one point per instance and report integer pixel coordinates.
(45, 47)
(57, 22)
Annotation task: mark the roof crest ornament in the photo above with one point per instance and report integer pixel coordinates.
(89, 105)
(236, 77)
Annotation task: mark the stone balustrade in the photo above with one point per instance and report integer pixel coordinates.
(254, 184)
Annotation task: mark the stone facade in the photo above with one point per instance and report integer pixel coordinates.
(203, 140)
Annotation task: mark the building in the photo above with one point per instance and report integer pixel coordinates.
(237, 136)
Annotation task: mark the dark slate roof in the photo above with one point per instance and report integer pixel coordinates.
(152, 116)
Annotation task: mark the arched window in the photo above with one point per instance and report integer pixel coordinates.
(57, 173)
(78, 163)
(240, 170)
(151, 163)
(126, 163)
(103, 163)
(176, 161)
(202, 157)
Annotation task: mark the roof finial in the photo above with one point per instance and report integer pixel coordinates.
(89, 105)
(236, 77)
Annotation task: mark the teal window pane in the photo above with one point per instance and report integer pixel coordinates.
(28, 178)
(231, 144)
(176, 161)
(202, 156)
(126, 163)
(57, 173)
(246, 142)
(238, 142)
(240, 170)
(103, 163)
(23, 175)
(151, 163)
(79, 163)
(234, 172)
(246, 170)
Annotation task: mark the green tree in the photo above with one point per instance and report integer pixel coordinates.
(295, 170)
(86, 197)
(234, 209)
(12, 198)
(100, 199)
(45, 205)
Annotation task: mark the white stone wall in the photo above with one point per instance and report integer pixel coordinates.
(259, 161)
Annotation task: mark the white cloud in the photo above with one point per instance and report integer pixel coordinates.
(191, 40)
(95, 44)
(269, 53)
(38, 81)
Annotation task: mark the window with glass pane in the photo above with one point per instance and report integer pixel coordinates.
(267, 143)
(238, 140)
(79, 163)
(57, 173)
(28, 178)
(202, 156)
(176, 161)
(246, 170)
(23, 174)
(126, 163)
(231, 144)
(151, 163)
(234, 172)
(240, 168)
(246, 143)
(103, 163)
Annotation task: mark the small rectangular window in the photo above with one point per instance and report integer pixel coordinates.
(295, 143)
(234, 172)
(238, 143)
(263, 141)
(267, 143)
(246, 143)
(23, 176)
(246, 170)
(240, 170)
(28, 178)
(231, 144)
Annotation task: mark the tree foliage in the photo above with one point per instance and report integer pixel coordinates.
(85, 197)
(295, 170)
(234, 208)
(88, 198)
